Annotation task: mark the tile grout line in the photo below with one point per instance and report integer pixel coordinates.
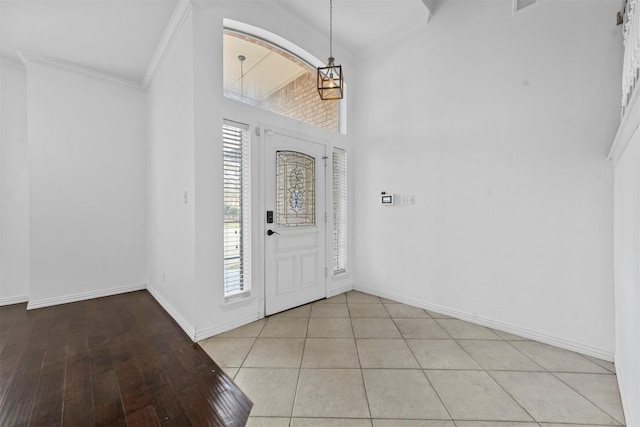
(431, 384)
(355, 342)
(244, 359)
(295, 395)
(582, 395)
(526, 355)
(424, 370)
(557, 371)
(488, 374)
(482, 369)
(554, 374)
(404, 339)
(511, 396)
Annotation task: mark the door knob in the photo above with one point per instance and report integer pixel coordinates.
(271, 232)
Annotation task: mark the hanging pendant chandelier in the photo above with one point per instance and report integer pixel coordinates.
(242, 58)
(330, 78)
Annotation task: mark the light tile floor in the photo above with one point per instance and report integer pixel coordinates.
(359, 360)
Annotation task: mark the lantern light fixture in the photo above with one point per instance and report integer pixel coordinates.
(330, 78)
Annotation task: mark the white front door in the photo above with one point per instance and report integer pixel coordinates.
(294, 223)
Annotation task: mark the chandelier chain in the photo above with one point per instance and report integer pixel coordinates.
(331, 28)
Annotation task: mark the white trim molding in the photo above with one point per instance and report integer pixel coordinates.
(210, 332)
(189, 329)
(631, 60)
(180, 13)
(47, 302)
(28, 58)
(494, 324)
(624, 396)
(18, 299)
(14, 62)
(516, 10)
(627, 129)
(274, 39)
(339, 290)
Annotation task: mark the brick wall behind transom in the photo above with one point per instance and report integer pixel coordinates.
(300, 100)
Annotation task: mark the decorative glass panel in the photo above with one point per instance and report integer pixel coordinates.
(295, 189)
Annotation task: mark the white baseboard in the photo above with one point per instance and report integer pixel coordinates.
(494, 324)
(210, 332)
(47, 302)
(189, 329)
(340, 290)
(18, 299)
(630, 408)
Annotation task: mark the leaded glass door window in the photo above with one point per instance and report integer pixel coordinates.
(295, 189)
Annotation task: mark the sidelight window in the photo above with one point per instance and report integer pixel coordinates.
(236, 169)
(339, 211)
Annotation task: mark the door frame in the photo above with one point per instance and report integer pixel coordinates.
(262, 129)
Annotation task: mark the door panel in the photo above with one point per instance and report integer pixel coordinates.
(295, 252)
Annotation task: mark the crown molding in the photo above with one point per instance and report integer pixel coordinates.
(516, 11)
(29, 58)
(178, 18)
(180, 13)
(629, 126)
(14, 62)
(396, 36)
(431, 6)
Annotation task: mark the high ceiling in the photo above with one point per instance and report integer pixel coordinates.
(359, 25)
(119, 37)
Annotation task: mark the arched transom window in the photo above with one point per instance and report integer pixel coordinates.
(260, 73)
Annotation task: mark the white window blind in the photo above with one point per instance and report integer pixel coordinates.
(237, 233)
(339, 211)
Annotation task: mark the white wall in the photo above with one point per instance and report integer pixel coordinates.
(14, 181)
(171, 173)
(627, 274)
(186, 112)
(500, 126)
(87, 173)
(214, 316)
(208, 311)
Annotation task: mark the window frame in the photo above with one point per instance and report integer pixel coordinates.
(340, 206)
(240, 189)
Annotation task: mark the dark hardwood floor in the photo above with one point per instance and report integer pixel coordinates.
(118, 361)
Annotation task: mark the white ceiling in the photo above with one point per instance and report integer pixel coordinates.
(263, 71)
(359, 25)
(119, 37)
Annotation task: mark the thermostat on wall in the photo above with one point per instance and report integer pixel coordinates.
(386, 199)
